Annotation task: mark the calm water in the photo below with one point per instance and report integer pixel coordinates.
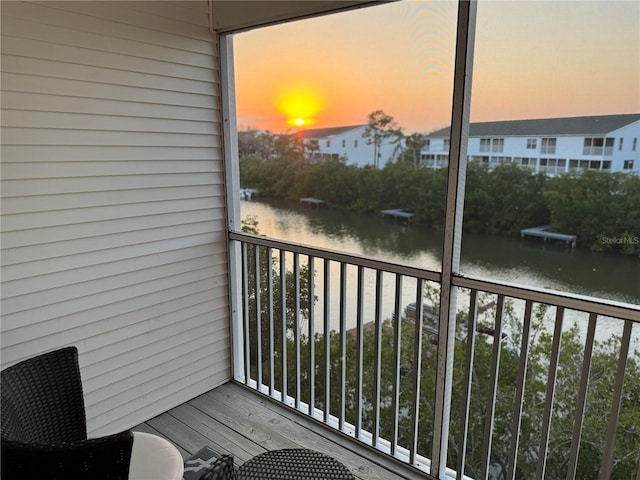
(526, 262)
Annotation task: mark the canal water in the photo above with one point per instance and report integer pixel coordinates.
(528, 262)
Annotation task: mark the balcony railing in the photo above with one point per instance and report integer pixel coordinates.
(598, 150)
(537, 382)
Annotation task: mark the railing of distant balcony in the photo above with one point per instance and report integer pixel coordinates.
(339, 317)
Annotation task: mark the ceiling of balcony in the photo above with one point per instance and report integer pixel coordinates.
(243, 15)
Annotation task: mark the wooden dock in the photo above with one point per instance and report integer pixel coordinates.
(544, 233)
(398, 213)
(248, 193)
(311, 201)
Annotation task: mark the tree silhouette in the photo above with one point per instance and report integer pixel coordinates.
(380, 126)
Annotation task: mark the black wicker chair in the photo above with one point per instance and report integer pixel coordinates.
(44, 431)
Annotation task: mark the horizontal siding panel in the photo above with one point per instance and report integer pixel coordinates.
(128, 16)
(105, 247)
(61, 294)
(45, 203)
(127, 340)
(41, 136)
(57, 231)
(66, 104)
(96, 272)
(17, 28)
(163, 400)
(155, 371)
(129, 249)
(106, 183)
(106, 153)
(35, 170)
(195, 361)
(23, 47)
(139, 356)
(88, 331)
(87, 23)
(55, 69)
(114, 219)
(29, 119)
(109, 359)
(101, 215)
(105, 297)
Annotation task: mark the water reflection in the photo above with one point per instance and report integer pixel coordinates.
(533, 263)
(526, 262)
(376, 238)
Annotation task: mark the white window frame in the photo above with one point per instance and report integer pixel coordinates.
(548, 145)
(497, 145)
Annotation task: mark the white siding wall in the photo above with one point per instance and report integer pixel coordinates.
(629, 132)
(113, 217)
(566, 147)
(361, 155)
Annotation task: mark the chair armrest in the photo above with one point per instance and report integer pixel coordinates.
(93, 459)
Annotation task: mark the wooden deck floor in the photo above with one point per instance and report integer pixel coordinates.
(233, 419)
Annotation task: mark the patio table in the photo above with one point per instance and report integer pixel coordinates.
(297, 463)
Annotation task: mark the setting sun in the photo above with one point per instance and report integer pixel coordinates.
(300, 106)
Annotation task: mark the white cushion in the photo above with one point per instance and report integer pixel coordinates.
(154, 458)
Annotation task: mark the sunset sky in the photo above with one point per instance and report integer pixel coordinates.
(533, 59)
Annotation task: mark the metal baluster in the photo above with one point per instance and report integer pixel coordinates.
(296, 324)
(256, 257)
(359, 350)
(283, 318)
(343, 344)
(270, 310)
(417, 361)
(520, 383)
(397, 340)
(606, 470)
(377, 360)
(327, 340)
(581, 399)
(312, 339)
(245, 315)
(468, 377)
(551, 387)
(493, 382)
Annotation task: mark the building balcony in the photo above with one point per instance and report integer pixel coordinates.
(120, 219)
(598, 151)
(517, 397)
